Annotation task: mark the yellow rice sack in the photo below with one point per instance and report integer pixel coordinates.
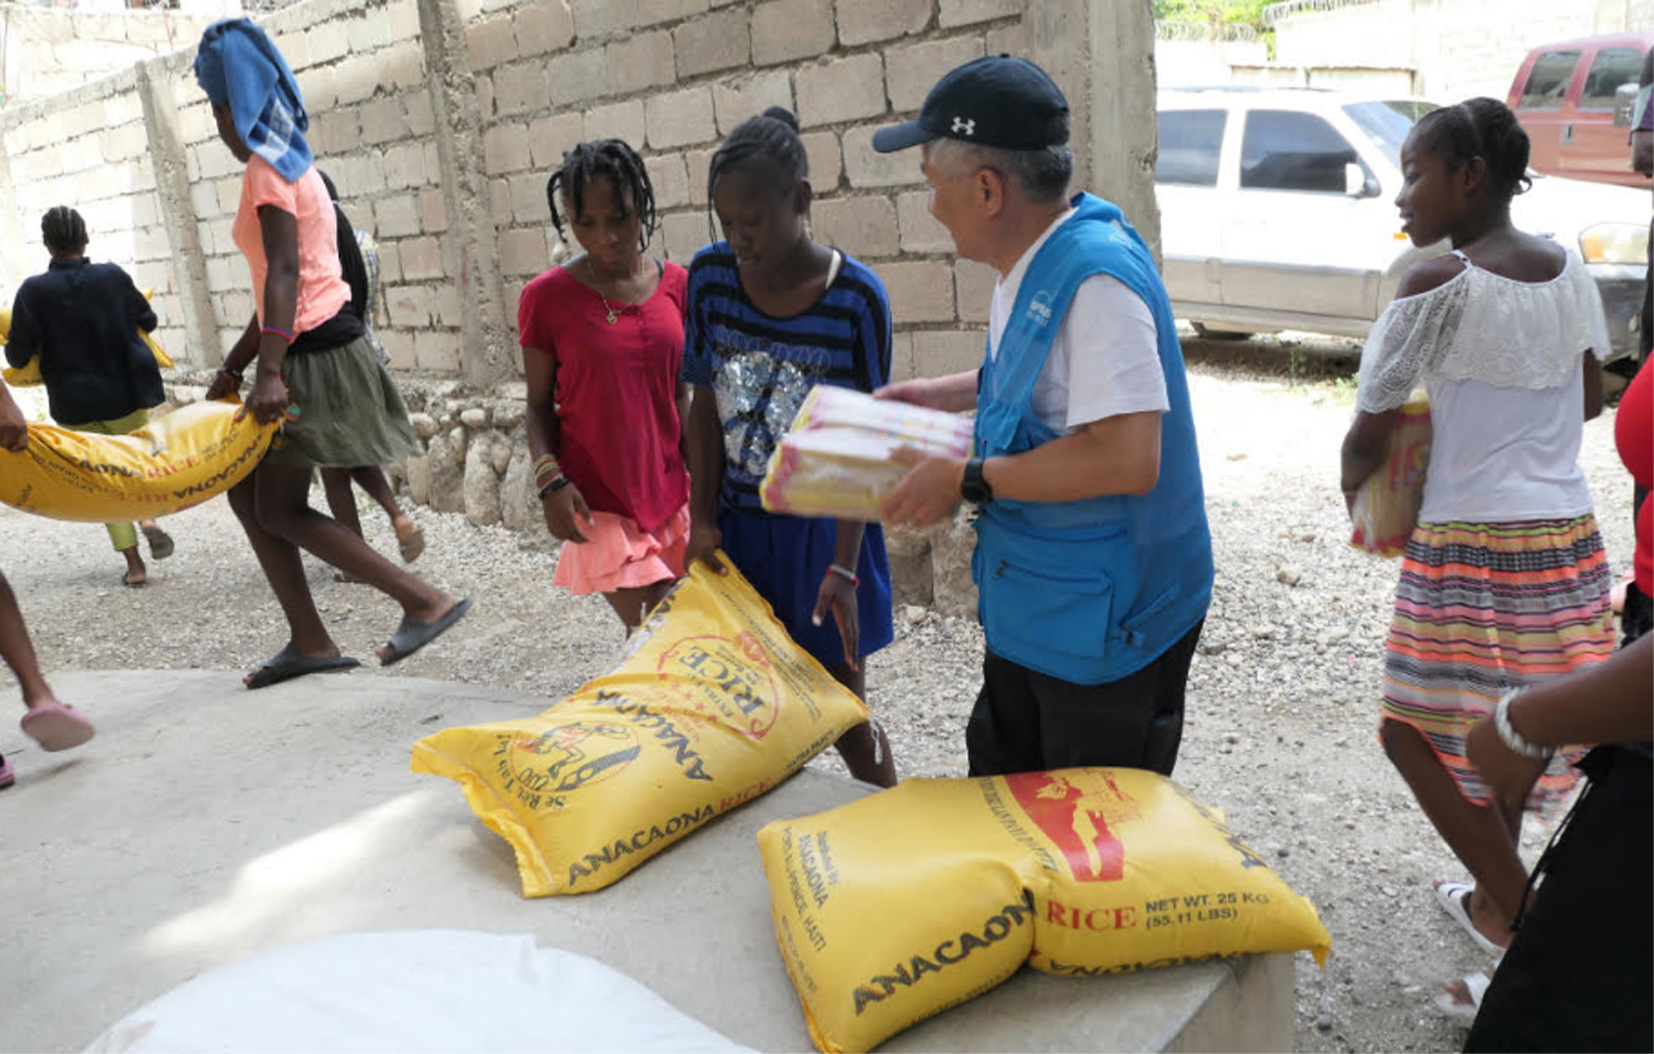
(177, 461)
(28, 375)
(896, 907)
(714, 706)
(835, 460)
(1387, 505)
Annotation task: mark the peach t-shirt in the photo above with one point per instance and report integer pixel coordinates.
(322, 287)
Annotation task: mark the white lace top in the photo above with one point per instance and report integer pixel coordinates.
(1501, 360)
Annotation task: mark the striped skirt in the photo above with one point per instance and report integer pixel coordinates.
(1484, 608)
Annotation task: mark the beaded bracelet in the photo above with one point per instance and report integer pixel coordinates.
(543, 462)
(282, 333)
(844, 573)
(234, 375)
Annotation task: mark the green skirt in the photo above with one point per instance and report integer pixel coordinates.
(349, 411)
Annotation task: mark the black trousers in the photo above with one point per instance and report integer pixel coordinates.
(1026, 721)
(1580, 972)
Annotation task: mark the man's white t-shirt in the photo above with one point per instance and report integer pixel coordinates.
(1117, 369)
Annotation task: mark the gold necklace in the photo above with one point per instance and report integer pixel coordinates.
(611, 310)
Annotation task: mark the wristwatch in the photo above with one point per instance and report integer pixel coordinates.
(974, 487)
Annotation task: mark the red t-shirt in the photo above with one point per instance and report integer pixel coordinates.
(617, 385)
(1634, 435)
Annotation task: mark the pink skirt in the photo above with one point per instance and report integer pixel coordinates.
(616, 555)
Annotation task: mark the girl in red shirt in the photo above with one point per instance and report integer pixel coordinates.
(602, 339)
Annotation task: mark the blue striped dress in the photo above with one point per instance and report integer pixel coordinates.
(760, 368)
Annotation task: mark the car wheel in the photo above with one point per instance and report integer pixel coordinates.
(1219, 334)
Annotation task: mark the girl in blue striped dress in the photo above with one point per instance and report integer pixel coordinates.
(772, 313)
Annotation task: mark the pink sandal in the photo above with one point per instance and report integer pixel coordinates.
(57, 726)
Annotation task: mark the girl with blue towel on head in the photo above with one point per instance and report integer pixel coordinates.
(315, 366)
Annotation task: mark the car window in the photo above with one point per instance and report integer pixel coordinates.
(1611, 68)
(1548, 83)
(1190, 143)
(1388, 123)
(1286, 150)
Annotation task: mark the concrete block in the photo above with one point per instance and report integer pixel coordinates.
(229, 194)
(866, 21)
(390, 262)
(901, 357)
(505, 149)
(492, 42)
(433, 211)
(400, 344)
(522, 88)
(683, 234)
(719, 41)
(789, 30)
(411, 307)
(421, 258)
(485, 94)
(499, 204)
(383, 121)
(421, 115)
(680, 118)
(544, 26)
(578, 76)
(964, 12)
(1009, 39)
(864, 227)
(449, 306)
(843, 90)
(910, 72)
(826, 160)
(737, 100)
(699, 163)
(326, 44)
(369, 32)
(295, 48)
(401, 68)
(921, 232)
(549, 137)
(642, 61)
(621, 120)
(316, 86)
(203, 200)
(973, 285)
(868, 168)
(404, 20)
(355, 80)
(594, 19)
(523, 251)
(528, 200)
(939, 352)
(396, 216)
(222, 275)
(920, 291)
(671, 180)
(437, 351)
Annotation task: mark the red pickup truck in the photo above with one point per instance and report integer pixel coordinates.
(1574, 98)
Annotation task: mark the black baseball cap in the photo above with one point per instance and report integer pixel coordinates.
(997, 101)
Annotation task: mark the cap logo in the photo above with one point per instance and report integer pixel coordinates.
(963, 127)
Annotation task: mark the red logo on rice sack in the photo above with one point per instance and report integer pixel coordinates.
(1081, 811)
(572, 756)
(727, 680)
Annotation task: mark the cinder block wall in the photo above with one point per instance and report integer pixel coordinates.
(440, 120)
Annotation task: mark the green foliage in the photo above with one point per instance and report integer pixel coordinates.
(1221, 12)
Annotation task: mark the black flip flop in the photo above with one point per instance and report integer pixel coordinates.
(410, 636)
(289, 663)
(126, 580)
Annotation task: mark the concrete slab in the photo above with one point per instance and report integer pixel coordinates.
(206, 823)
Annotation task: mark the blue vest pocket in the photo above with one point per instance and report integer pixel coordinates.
(1043, 611)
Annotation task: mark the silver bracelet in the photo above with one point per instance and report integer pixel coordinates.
(1508, 735)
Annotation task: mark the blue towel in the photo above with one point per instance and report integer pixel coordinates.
(238, 64)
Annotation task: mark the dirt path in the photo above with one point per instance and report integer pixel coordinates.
(1282, 706)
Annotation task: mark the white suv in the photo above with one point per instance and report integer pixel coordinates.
(1277, 211)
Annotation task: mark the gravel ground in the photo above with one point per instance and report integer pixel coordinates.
(1282, 697)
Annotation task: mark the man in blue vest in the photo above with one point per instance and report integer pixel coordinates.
(1093, 558)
